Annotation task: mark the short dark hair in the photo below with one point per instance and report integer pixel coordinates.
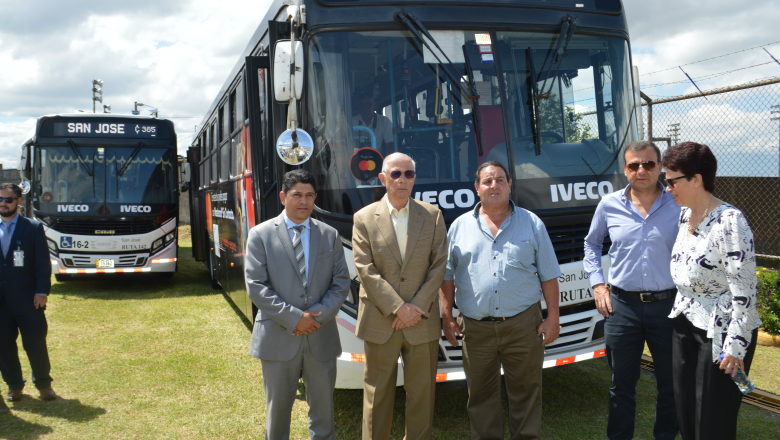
(16, 189)
(637, 146)
(294, 177)
(691, 158)
(491, 163)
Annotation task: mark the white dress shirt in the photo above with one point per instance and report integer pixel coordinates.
(400, 219)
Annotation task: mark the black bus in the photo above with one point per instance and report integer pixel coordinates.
(545, 87)
(106, 189)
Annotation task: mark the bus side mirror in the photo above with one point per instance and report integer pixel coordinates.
(186, 172)
(285, 69)
(23, 157)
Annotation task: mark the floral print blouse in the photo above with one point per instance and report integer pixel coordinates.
(715, 273)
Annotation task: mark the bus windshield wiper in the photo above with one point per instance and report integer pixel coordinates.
(129, 161)
(475, 103)
(416, 27)
(568, 25)
(83, 162)
(534, 89)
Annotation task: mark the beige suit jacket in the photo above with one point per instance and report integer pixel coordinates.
(387, 282)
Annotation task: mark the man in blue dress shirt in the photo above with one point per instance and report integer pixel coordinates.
(501, 262)
(641, 221)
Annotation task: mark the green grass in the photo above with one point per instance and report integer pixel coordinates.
(142, 357)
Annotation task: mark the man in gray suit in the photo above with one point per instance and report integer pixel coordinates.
(297, 277)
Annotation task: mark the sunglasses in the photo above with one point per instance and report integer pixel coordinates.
(8, 199)
(634, 166)
(670, 182)
(409, 174)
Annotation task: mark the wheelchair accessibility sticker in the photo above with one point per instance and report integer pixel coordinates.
(66, 242)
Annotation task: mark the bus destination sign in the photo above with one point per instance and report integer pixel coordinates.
(142, 129)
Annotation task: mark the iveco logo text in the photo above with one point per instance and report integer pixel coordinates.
(580, 191)
(72, 208)
(135, 208)
(448, 199)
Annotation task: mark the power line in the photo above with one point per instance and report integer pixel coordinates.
(705, 77)
(707, 59)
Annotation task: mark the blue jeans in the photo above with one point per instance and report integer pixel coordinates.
(631, 323)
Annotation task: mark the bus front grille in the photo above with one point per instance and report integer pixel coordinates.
(86, 227)
(569, 242)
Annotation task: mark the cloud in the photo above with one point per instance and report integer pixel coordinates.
(173, 55)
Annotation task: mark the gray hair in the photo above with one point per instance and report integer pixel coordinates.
(395, 156)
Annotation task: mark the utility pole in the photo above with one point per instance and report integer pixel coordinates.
(775, 116)
(97, 89)
(674, 133)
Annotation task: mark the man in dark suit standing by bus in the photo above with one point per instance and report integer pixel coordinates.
(25, 282)
(297, 277)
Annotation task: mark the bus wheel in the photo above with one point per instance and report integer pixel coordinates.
(212, 273)
(61, 277)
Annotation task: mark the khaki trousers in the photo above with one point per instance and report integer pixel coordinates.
(379, 378)
(514, 344)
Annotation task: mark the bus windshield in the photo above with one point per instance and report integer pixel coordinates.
(372, 93)
(89, 174)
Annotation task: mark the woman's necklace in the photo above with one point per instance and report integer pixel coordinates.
(691, 226)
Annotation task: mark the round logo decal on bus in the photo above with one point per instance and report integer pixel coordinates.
(366, 164)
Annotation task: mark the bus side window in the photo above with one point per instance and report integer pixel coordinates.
(240, 104)
(224, 162)
(214, 154)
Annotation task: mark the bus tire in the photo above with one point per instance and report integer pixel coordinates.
(61, 277)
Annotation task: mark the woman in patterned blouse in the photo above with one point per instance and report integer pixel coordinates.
(714, 268)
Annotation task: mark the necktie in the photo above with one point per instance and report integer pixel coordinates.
(6, 239)
(299, 255)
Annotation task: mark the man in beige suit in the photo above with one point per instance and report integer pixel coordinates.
(400, 250)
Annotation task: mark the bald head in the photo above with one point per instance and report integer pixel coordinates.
(394, 157)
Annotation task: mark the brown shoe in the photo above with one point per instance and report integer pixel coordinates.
(3, 407)
(48, 394)
(13, 395)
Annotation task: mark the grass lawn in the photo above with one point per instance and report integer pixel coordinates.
(138, 356)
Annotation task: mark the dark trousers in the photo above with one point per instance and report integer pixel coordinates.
(33, 328)
(513, 344)
(631, 324)
(707, 399)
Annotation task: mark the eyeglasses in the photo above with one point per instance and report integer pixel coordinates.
(670, 182)
(634, 166)
(8, 199)
(409, 174)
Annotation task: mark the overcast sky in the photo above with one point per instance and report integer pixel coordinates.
(176, 54)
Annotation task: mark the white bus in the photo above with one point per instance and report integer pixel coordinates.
(105, 187)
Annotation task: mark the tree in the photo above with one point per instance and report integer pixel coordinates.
(550, 120)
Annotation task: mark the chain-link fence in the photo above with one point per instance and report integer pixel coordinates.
(740, 124)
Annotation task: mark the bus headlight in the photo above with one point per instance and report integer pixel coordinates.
(170, 236)
(53, 247)
(157, 245)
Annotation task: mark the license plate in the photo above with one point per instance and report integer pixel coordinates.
(105, 263)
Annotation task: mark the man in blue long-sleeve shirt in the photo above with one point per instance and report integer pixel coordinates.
(641, 221)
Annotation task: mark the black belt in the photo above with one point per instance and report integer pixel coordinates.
(646, 297)
(494, 318)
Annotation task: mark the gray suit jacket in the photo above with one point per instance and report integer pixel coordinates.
(274, 286)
